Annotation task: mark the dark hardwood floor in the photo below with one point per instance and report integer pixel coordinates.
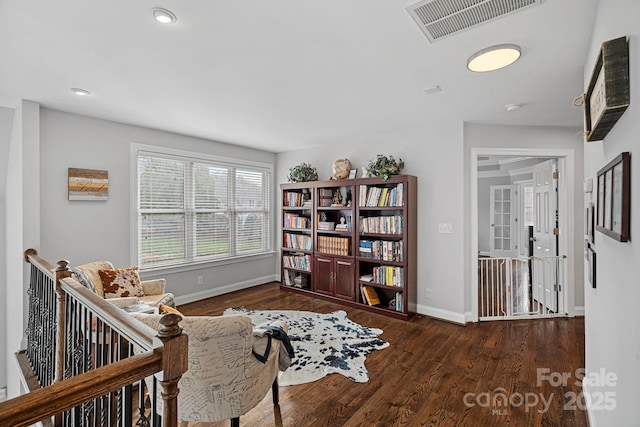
(434, 373)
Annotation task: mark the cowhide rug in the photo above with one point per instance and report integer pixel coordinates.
(323, 343)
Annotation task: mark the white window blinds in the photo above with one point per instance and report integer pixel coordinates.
(193, 211)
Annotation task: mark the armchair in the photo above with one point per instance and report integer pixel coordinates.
(224, 380)
(154, 290)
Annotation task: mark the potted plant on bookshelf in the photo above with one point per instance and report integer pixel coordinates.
(384, 166)
(303, 172)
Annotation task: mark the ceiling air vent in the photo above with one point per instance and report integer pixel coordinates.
(441, 18)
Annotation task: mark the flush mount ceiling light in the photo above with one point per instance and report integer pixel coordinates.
(164, 16)
(493, 58)
(512, 107)
(80, 92)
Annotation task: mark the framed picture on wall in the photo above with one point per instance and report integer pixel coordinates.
(591, 262)
(614, 198)
(608, 94)
(590, 222)
(88, 184)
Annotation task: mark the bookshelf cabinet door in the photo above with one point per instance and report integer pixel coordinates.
(323, 275)
(344, 275)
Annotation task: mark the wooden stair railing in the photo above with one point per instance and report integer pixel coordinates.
(79, 365)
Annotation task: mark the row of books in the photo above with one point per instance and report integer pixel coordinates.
(381, 196)
(296, 221)
(334, 245)
(299, 262)
(381, 224)
(381, 250)
(294, 199)
(297, 241)
(397, 303)
(370, 297)
(385, 275)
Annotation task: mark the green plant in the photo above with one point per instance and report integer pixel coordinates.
(384, 166)
(303, 172)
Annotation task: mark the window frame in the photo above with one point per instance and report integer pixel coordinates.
(190, 210)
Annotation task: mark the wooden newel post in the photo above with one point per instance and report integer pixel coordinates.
(174, 364)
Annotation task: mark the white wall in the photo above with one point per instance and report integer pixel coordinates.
(6, 125)
(82, 231)
(433, 152)
(612, 319)
(532, 137)
(22, 212)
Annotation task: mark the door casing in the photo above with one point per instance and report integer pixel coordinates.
(566, 161)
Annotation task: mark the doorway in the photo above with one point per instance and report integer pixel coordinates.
(517, 283)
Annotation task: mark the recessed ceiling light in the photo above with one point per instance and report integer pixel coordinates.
(164, 16)
(512, 107)
(80, 92)
(493, 58)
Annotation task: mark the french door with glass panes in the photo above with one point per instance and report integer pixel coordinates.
(502, 235)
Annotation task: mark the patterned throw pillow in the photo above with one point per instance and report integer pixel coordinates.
(84, 279)
(121, 282)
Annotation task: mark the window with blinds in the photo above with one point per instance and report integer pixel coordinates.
(193, 210)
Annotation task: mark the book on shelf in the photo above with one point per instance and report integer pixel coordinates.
(370, 295)
(326, 225)
(386, 224)
(326, 197)
(334, 245)
(292, 199)
(381, 196)
(296, 221)
(397, 303)
(297, 241)
(297, 261)
(382, 250)
(389, 276)
(366, 278)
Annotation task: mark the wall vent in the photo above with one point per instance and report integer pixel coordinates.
(441, 18)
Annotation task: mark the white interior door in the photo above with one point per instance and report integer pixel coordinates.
(502, 237)
(545, 247)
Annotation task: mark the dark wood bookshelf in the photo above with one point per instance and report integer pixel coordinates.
(337, 277)
(305, 230)
(380, 261)
(302, 251)
(365, 236)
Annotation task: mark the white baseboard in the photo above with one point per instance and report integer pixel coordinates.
(214, 292)
(578, 310)
(3, 394)
(483, 253)
(587, 396)
(438, 313)
(468, 317)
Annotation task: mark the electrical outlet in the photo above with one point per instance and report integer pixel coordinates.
(445, 228)
(200, 280)
(428, 293)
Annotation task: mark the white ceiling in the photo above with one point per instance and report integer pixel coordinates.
(285, 74)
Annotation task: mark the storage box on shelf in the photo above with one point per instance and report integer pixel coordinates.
(361, 243)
